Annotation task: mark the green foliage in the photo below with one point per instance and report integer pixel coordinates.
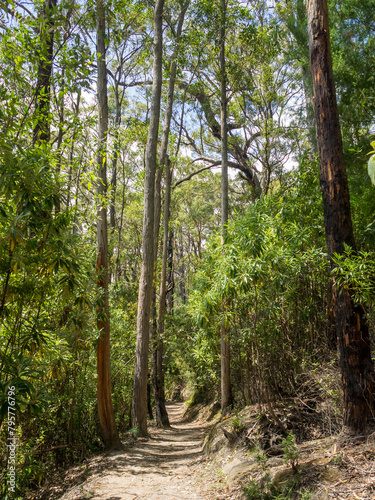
(236, 423)
(269, 282)
(261, 458)
(356, 271)
(291, 452)
(254, 491)
(272, 275)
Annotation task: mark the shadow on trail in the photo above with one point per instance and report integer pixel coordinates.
(159, 468)
(180, 444)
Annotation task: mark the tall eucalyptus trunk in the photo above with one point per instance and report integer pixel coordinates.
(154, 319)
(162, 419)
(139, 402)
(105, 409)
(357, 370)
(170, 273)
(226, 399)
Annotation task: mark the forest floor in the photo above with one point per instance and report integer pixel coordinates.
(169, 465)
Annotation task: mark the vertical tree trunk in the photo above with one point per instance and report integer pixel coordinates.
(41, 133)
(139, 406)
(226, 399)
(105, 409)
(117, 264)
(162, 419)
(170, 274)
(71, 152)
(116, 148)
(181, 269)
(61, 105)
(154, 320)
(356, 366)
(149, 405)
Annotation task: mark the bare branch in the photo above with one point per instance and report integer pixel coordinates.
(251, 139)
(217, 163)
(192, 175)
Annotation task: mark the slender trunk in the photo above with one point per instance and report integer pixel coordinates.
(170, 274)
(116, 148)
(61, 104)
(355, 362)
(6, 284)
(154, 328)
(73, 402)
(71, 153)
(226, 399)
(149, 405)
(159, 393)
(60, 134)
(117, 269)
(162, 419)
(41, 133)
(182, 269)
(139, 402)
(105, 409)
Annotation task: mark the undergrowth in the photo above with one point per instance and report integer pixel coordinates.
(290, 491)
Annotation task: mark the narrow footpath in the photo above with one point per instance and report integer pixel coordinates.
(165, 467)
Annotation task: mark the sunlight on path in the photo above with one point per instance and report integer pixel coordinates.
(162, 467)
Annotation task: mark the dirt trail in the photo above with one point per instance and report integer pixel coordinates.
(164, 467)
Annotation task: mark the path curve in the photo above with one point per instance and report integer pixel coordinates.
(161, 468)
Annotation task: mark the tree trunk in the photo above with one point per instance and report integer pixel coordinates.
(71, 152)
(226, 399)
(162, 419)
(139, 406)
(170, 274)
(181, 269)
(149, 405)
(116, 148)
(356, 366)
(154, 330)
(105, 409)
(41, 133)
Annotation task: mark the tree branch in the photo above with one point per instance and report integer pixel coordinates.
(216, 163)
(192, 175)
